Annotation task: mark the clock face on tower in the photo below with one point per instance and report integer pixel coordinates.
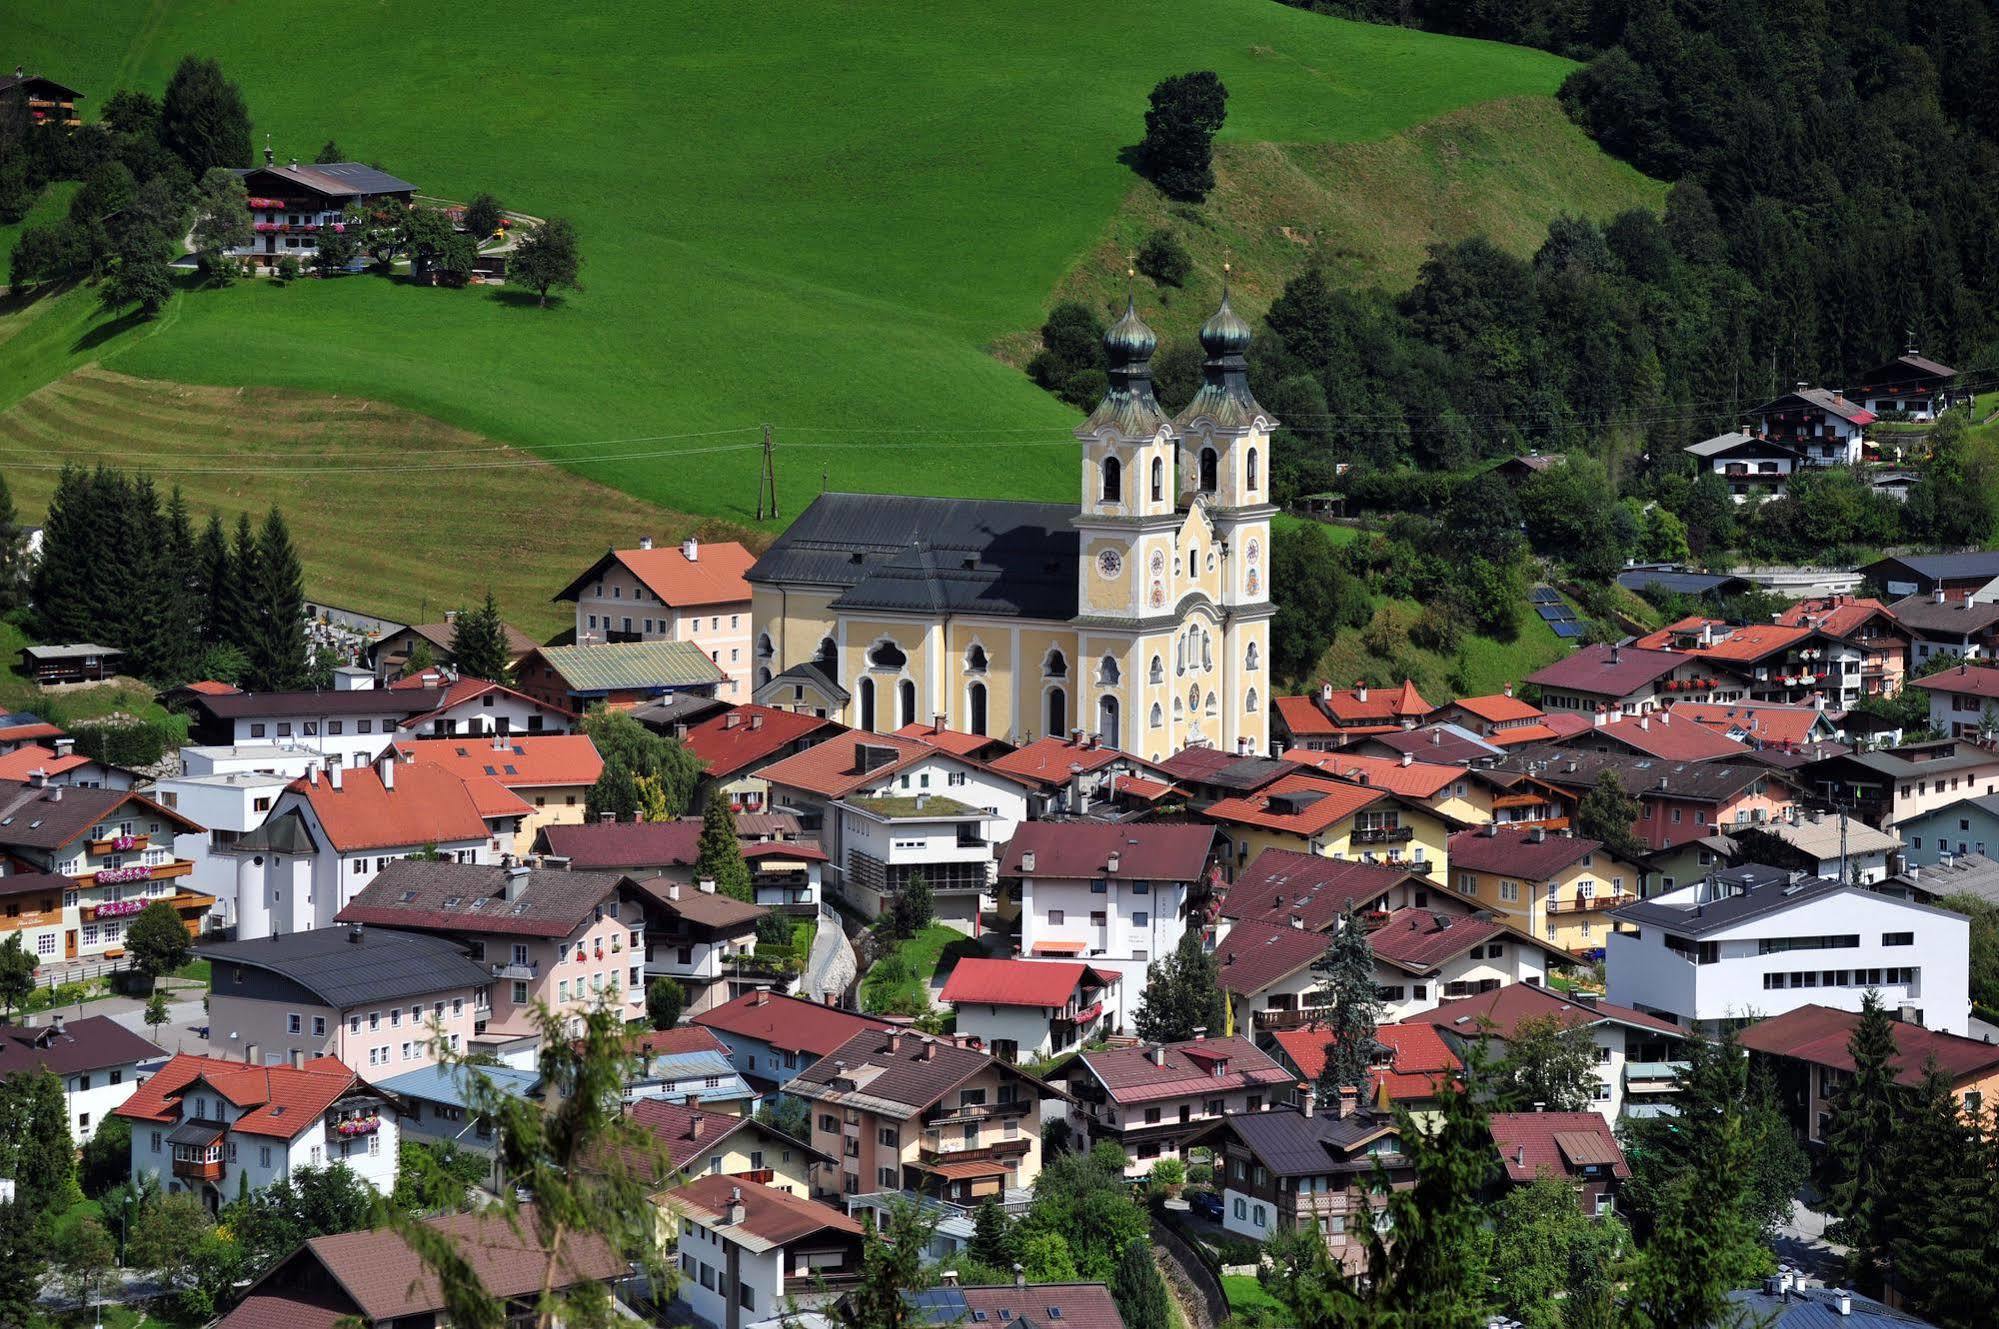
(1110, 563)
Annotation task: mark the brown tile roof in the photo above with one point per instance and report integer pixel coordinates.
(611, 846)
(1046, 761)
(1970, 680)
(1607, 671)
(472, 898)
(1765, 723)
(519, 761)
(1281, 882)
(441, 635)
(1152, 852)
(53, 816)
(1421, 939)
(1517, 853)
(833, 768)
(281, 1100)
(1837, 616)
(1954, 616)
(1818, 1035)
(1559, 1143)
(677, 1041)
(899, 1072)
(91, 1043)
(684, 1132)
(1418, 1058)
(1659, 736)
(1081, 1306)
(789, 1024)
(1193, 1068)
(1255, 955)
(949, 740)
(1505, 1007)
(771, 1217)
(708, 908)
(428, 805)
(742, 735)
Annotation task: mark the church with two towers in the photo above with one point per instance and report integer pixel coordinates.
(1140, 615)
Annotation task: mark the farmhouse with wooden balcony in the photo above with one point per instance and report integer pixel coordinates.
(1911, 384)
(46, 101)
(1151, 1100)
(79, 863)
(290, 205)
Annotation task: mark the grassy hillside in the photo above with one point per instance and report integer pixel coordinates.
(394, 512)
(1370, 210)
(820, 216)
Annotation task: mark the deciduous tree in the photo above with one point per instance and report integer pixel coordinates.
(1177, 152)
(17, 973)
(547, 258)
(157, 941)
(664, 1002)
(1606, 814)
(1183, 992)
(1550, 1064)
(221, 223)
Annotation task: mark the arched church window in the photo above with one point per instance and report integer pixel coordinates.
(1113, 480)
(763, 676)
(1212, 705)
(975, 708)
(1058, 712)
(1158, 480)
(1249, 470)
(1193, 563)
(827, 657)
(1210, 462)
(1207, 651)
(905, 697)
(1158, 716)
(1107, 671)
(1055, 666)
(1249, 703)
(1157, 673)
(887, 655)
(975, 658)
(1179, 655)
(865, 691)
(1249, 657)
(765, 650)
(1107, 721)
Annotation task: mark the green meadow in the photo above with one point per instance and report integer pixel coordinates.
(822, 216)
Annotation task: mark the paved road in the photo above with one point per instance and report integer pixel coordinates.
(186, 1017)
(1802, 1243)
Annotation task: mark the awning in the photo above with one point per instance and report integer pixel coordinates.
(196, 1132)
(1058, 948)
(969, 1171)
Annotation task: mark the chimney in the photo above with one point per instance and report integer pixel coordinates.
(1616, 652)
(55, 794)
(696, 1125)
(55, 1026)
(1111, 864)
(706, 885)
(1325, 692)
(1408, 758)
(690, 549)
(1537, 835)
(354, 934)
(1200, 1032)
(922, 801)
(297, 1059)
(1307, 1099)
(1845, 1302)
(673, 893)
(1079, 801)
(736, 1211)
(334, 777)
(1600, 717)
(929, 1052)
(1360, 690)
(1509, 689)
(1349, 1101)
(680, 730)
(39, 778)
(937, 724)
(1645, 723)
(1027, 860)
(386, 767)
(1156, 1054)
(606, 818)
(1520, 1155)
(517, 880)
(64, 746)
(1436, 738)
(1019, 1276)
(645, 542)
(1936, 595)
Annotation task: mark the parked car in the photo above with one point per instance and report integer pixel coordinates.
(1207, 1204)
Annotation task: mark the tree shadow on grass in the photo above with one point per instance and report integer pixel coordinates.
(95, 336)
(517, 297)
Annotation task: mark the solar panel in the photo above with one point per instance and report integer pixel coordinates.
(1552, 613)
(1544, 595)
(1567, 631)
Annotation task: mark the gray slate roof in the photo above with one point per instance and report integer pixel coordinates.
(1818, 1308)
(1681, 583)
(471, 897)
(380, 966)
(929, 555)
(335, 179)
(812, 675)
(1768, 890)
(1953, 616)
(1292, 1144)
(1938, 567)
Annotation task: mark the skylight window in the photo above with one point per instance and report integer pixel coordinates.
(408, 896)
(490, 771)
(451, 901)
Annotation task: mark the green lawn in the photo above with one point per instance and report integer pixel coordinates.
(1245, 1294)
(903, 975)
(817, 216)
(1480, 664)
(20, 693)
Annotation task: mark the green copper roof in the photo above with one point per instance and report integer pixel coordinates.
(1129, 406)
(618, 666)
(1224, 396)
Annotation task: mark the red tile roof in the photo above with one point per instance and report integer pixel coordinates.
(1281, 882)
(1971, 680)
(1303, 718)
(624, 844)
(1417, 779)
(1419, 1059)
(770, 1216)
(463, 690)
(1148, 851)
(1046, 761)
(1818, 1035)
(1558, 1143)
(1421, 939)
(494, 799)
(1658, 736)
(1540, 732)
(1756, 641)
(21, 733)
(1335, 802)
(281, 1100)
(518, 761)
(949, 740)
(26, 760)
(1361, 704)
(677, 1041)
(1255, 955)
(1197, 1067)
(1663, 638)
(789, 1024)
(1496, 707)
(1836, 616)
(1607, 671)
(730, 740)
(1503, 1008)
(832, 768)
(1783, 726)
(714, 577)
(1517, 853)
(209, 687)
(429, 805)
(1034, 983)
(1137, 786)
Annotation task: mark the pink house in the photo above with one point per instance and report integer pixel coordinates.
(570, 941)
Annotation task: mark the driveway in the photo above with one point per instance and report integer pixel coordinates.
(1801, 1240)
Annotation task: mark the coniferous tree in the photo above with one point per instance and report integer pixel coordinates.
(62, 582)
(23, 1244)
(278, 652)
(720, 854)
(992, 1242)
(245, 567)
(182, 590)
(1138, 1290)
(1346, 972)
(203, 119)
(1943, 1207)
(35, 1148)
(1183, 992)
(1859, 1142)
(17, 974)
(215, 571)
(13, 553)
(479, 642)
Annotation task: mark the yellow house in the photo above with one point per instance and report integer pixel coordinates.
(1140, 614)
(1553, 886)
(1335, 819)
(698, 1142)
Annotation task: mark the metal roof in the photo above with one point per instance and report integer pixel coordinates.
(449, 1084)
(623, 665)
(1701, 912)
(348, 967)
(1292, 1144)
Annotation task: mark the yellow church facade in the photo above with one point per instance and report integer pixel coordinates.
(1141, 614)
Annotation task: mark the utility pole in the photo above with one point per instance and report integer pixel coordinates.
(767, 479)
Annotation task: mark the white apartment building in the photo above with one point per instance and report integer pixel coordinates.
(230, 791)
(691, 592)
(750, 1253)
(1754, 942)
(1117, 896)
(350, 727)
(885, 841)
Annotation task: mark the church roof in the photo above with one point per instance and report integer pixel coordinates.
(932, 555)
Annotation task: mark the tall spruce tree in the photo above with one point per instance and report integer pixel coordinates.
(61, 583)
(245, 567)
(1346, 972)
(279, 656)
(183, 590)
(1943, 1208)
(720, 854)
(215, 571)
(1138, 1290)
(1859, 1141)
(479, 642)
(13, 553)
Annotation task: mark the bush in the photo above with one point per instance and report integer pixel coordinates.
(131, 743)
(1164, 259)
(1169, 1172)
(1200, 1174)
(288, 269)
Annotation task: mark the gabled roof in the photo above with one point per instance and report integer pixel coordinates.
(1760, 722)
(789, 1024)
(1412, 778)
(463, 690)
(1254, 955)
(1046, 761)
(1819, 1036)
(1839, 616)
(1824, 399)
(1447, 744)
(334, 179)
(94, 1042)
(1196, 1067)
(281, 1101)
(744, 735)
(517, 761)
(1279, 883)
(1658, 736)
(1607, 671)
(428, 805)
(1736, 440)
(686, 1133)
(1036, 984)
(25, 760)
(771, 1218)
(56, 815)
(472, 898)
(1978, 565)
(1559, 1143)
(1035, 1306)
(1521, 853)
(1421, 940)
(440, 1083)
(1643, 777)
(1300, 804)
(350, 966)
(1417, 1059)
(621, 666)
(1291, 1144)
(835, 767)
(1921, 365)
(678, 1041)
(713, 577)
(1349, 710)
(1145, 851)
(1501, 1010)
(1753, 642)
(708, 908)
(898, 1073)
(949, 740)
(8, 82)
(621, 845)
(1963, 680)
(1953, 617)
(361, 701)
(1495, 707)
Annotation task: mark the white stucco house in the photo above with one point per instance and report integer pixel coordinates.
(99, 1061)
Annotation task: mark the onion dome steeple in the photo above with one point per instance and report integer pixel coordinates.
(1224, 397)
(1128, 406)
